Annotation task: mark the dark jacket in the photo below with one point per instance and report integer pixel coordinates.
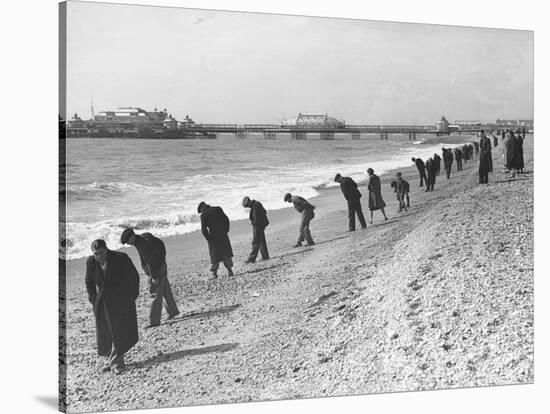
(301, 204)
(258, 215)
(419, 164)
(215, 227)
(458, 154)
(349, 189)
(152, 254)
(113, 297)
(447, 157)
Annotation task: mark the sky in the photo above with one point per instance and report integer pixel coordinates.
(230, 67)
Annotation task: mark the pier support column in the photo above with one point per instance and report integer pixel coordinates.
(327, 135)
(241, 134)
(355, 135)
(381, 135)
(298, 135)
(270, 135)
(386, 136)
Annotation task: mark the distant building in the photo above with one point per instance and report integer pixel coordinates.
(170, 123)
(468, 123)
(313, 120)
(76, 122)
(442, 125)
(187, 122)
(527, 123)
(130, 118)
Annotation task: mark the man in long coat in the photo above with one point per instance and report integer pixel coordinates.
(306, 209)
(376, 202)
(421, 170)
(430, 170)
(112, 284)
(484, 158)
(353, 197)
(519, 139)
(259, 221)
(215, 229)
(512, 153)
(448, 161)
(458, 157)
(437, 163)
(152, 254)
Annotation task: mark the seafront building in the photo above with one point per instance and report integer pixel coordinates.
(313, 120)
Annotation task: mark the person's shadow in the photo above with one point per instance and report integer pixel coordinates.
(48, 401)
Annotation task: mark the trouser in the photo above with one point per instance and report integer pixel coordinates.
(448, 170)
(258, 243)
(422, 177)
(116, 359)
(431, 181)
(160, 291)
(459, 164)
(227, 262)
(483, 175)
(354, 207)
(401, 199)
(490, 156)
(305, 234)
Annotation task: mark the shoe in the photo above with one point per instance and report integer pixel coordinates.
(214, 276)
(351, 230)
(265, 258)
(310, 243)
(385, 218)
(118, 370)
(297, 245)
(230, 273)
(173, 316)
(363, 227)
(151, 326)
(250, 261)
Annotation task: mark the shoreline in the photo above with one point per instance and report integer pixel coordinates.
(280, 218)
(439, 297)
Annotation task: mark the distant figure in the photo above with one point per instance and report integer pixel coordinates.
(401, 189)
(421, 169)
(112, 284)
(512, 153)
(375, 194)
(353, 197)
(519, 139)
(470, 151)
(259, 221)
(476, 148)
(437, 163)
(306, 209)
(152, 254)
(523, 132)
(430, 170)
(448, 161)
(458, 156)
(504, 147)
(484, 158)
(215, 229)
(495, 141)
(465, 153)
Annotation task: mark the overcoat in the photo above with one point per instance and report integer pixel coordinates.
(375, 193)
(349, 189)
(485, 159)
(512, 153)
(520, 152)
(215, 227)
(113, 296)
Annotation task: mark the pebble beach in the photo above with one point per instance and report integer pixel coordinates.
(437, 297)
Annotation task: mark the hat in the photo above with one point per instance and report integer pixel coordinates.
(398, 174)
(288, 196)
(246, 200)
(370, 171)
(126, 234)
(200, 207)
(337, 177)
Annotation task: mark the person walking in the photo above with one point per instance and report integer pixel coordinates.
(112, 285)
(215, 229)
(353, 198)
(448, 161)
(421, 169)
(402, 191)
(152, 254)
(484, 158)
(306, 209)
(259, 221)
(376, 202)
(458, 156)
(430, 170)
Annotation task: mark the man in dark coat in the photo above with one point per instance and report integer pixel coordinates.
(512, 153)
(430, 170)
(353, 197)
(152, 254)
(458, 156)
(437, 163)
(401, 189)
(259, 221)
(519, 139)
(112, 284)
(447, 161)
(421, 170)
(465, 152)
(306, 209)
(215, 229)
(484, 158)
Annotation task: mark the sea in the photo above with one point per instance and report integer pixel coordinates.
(156, 185)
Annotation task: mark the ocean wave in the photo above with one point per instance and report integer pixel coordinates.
(98, 190)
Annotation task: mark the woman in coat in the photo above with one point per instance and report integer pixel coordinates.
(112, 284)
(375, 194)
(215, 229)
